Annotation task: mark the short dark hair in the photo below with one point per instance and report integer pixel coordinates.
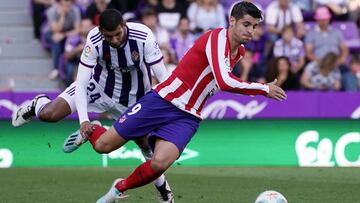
(242, 8)
(110, 19)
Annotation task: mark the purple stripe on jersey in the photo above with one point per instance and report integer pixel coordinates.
(155, 62)
(97, 49)
(137, 37)
(126, 78)
(138, 31)
(138, 34)
(135, 49)
(97, 72)
(70, 90)
(125, 89)
(94, 36)
(86, 65)
(147, 66)
(101, 38)
(110, 79)
(121, 57)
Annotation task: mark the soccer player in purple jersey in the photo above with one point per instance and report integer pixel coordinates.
(171, 113)
(113, 74)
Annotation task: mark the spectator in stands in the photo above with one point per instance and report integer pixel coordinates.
(182, 40)
(281, 13)
(205, 15)
(74, 46)
(243, 68)
(149, 18)
(227, 4)
(306, 7)
(261, 49)
(96, 8)
(292, 48)
(339, 8)
(354, 11)
(324, 39)
(143, 4)
(323, 75)
(280, 68)
(170, 13)
(38, 8)
(64, 20)
(351, 79)
(83, 5)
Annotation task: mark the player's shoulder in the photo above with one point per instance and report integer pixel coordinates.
(138, 31)
(95, 36)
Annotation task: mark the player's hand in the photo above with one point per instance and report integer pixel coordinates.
(275, 92)
(86, 128)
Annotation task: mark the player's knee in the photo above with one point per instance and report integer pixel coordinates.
(160, 165)
(48, 114)
(102, 147)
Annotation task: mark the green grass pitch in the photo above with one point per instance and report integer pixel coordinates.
(189, 184)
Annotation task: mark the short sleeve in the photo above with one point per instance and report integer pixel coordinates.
(89, 54)
(152, 50)
(51, 13)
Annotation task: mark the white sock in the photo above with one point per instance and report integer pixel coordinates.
(41, 102)
(160, 180)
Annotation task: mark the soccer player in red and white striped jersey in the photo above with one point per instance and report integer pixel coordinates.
(171, 113)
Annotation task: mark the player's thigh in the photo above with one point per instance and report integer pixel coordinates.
(68, 95)
(110, 140)
(165, 153)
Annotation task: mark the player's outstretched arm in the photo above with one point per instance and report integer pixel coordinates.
(275, 92)
(82, 80)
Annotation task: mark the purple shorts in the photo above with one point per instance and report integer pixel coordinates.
(154, 116)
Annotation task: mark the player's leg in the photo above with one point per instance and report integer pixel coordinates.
(165, 154)
(43, 108)
(54, 111)
(162, 186)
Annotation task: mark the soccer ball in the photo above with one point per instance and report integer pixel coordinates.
(271, 196)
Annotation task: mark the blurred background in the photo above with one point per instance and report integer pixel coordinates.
(311, 46)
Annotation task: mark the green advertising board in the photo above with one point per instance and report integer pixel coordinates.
(217, 143)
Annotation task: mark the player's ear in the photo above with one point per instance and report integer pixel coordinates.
(232, 21)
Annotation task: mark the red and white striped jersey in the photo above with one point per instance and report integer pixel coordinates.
(205, 68)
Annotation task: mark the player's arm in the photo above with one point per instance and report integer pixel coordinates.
(226, 81)
(87, 62)
(160, 71)
(154, 57)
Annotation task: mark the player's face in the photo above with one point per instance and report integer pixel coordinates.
(115, 38)
(244, 28)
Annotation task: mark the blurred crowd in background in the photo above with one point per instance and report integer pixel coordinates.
(305, 44)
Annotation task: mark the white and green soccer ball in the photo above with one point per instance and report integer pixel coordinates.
(271, 196)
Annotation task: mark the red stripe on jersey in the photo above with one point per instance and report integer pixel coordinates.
(165, 83)
(201, 105)
(198, 90)
(177, 93)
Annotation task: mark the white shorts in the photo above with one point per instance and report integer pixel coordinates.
(98, 101)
